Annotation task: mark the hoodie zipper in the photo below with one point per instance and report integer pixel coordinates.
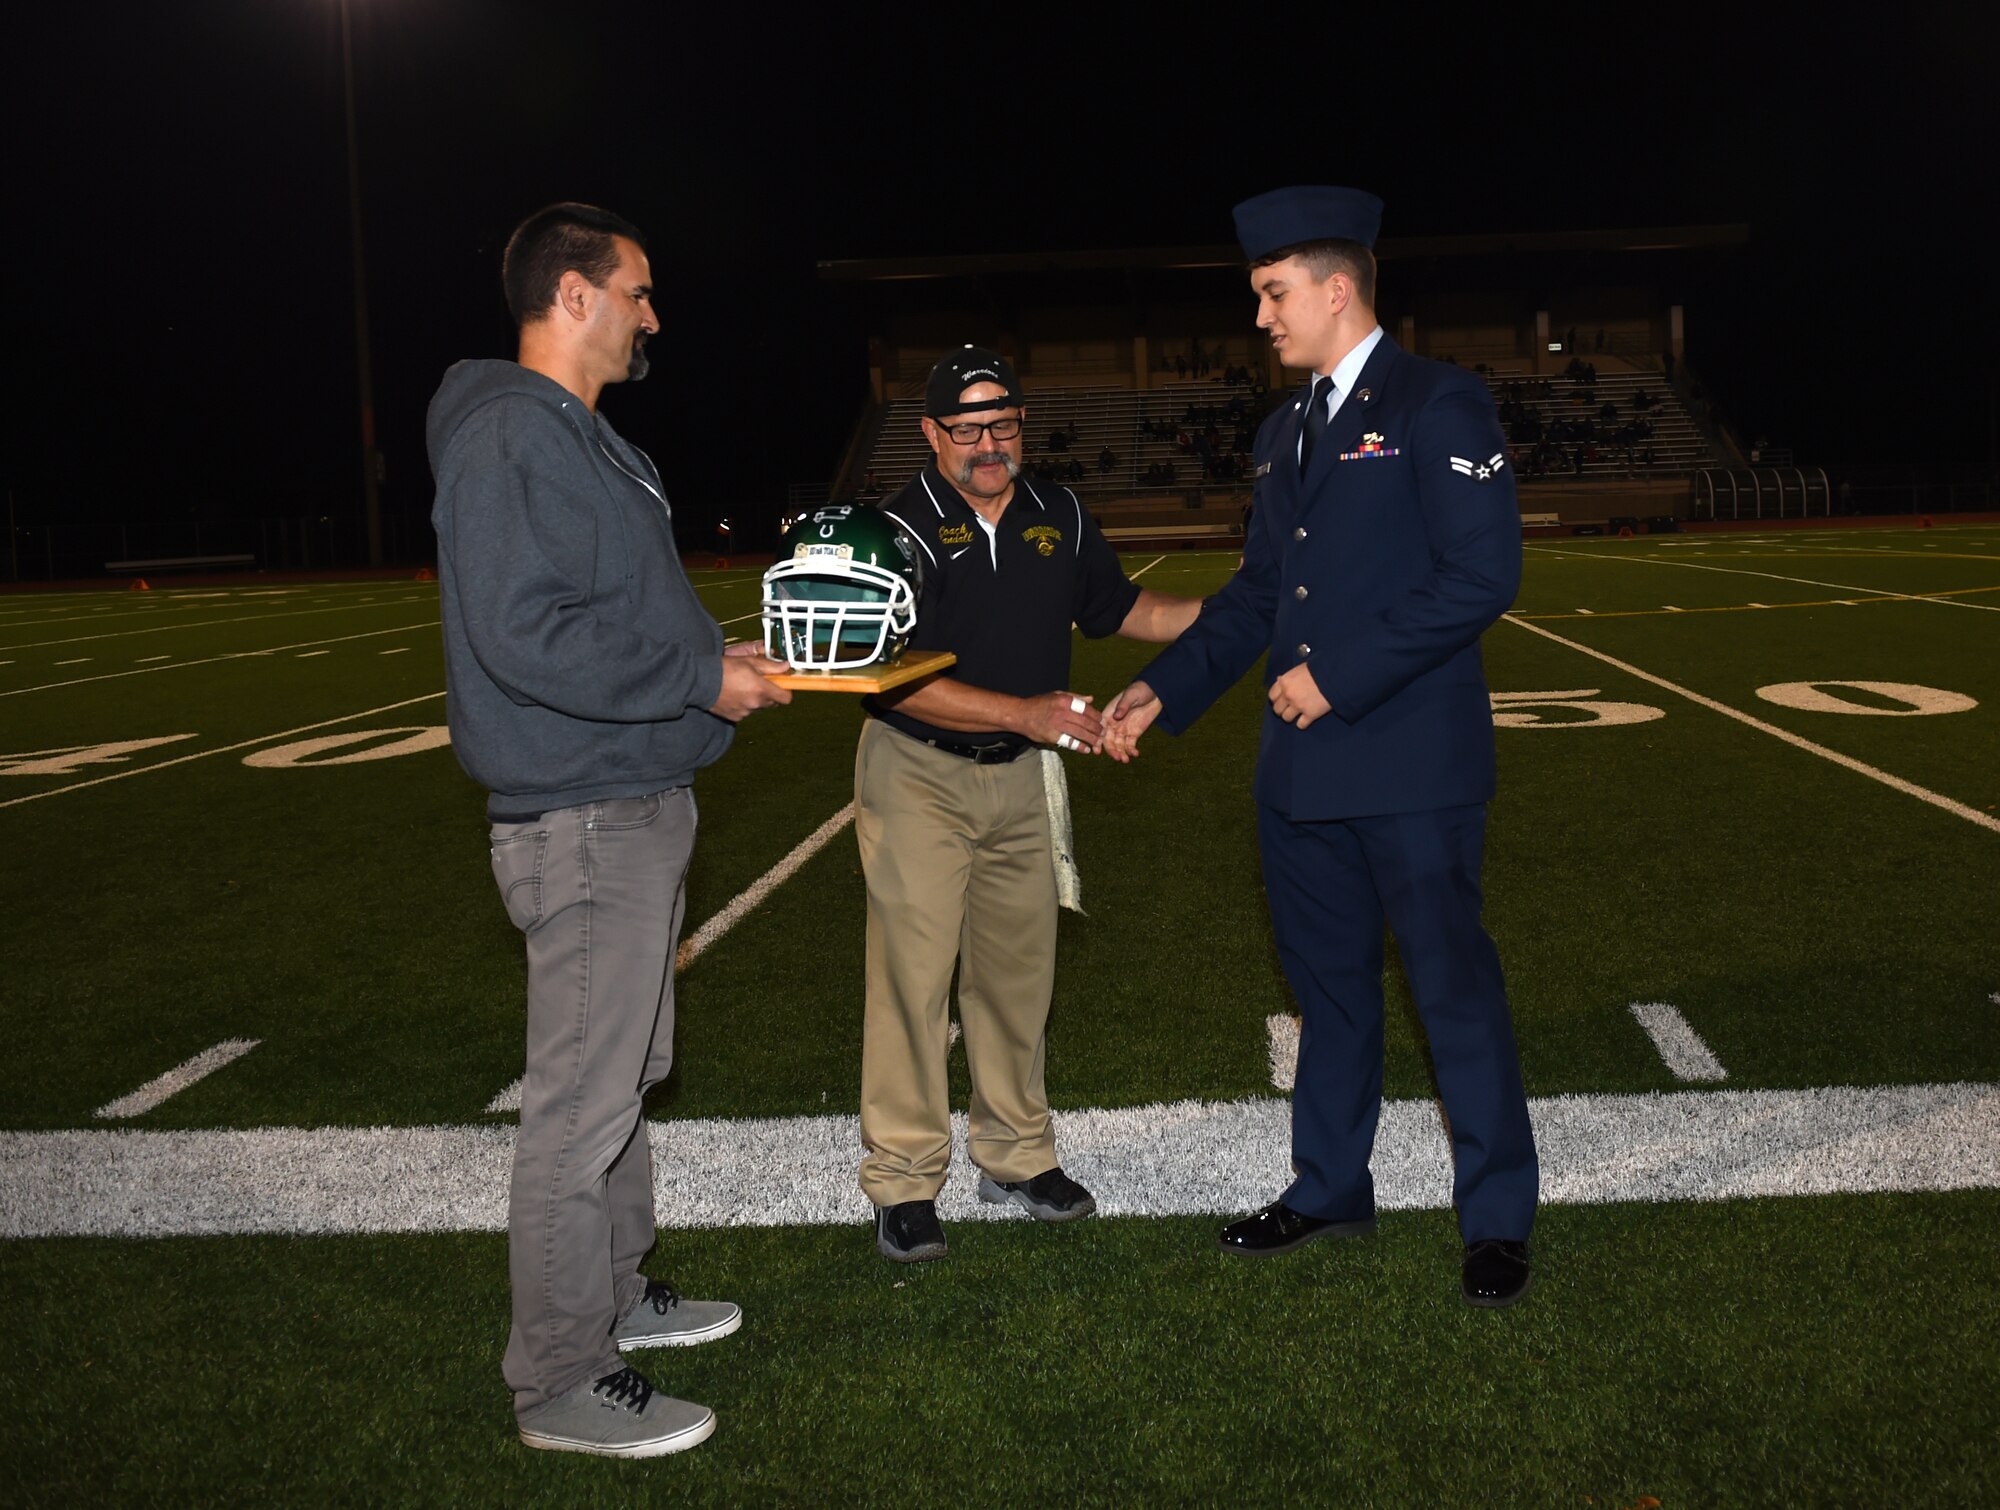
(636, 477)
(632, 474)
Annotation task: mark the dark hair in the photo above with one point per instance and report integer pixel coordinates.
(1325, 258)
(551, 242)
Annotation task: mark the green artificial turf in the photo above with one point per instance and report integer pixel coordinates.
(1814, 926)
(1827, 1352)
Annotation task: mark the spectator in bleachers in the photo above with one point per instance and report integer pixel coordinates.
(1608, 410)
(1642, 400)
(1107, 460)
(1058, 439)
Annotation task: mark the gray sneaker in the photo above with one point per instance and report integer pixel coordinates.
(618, 1416)
(662, 1318)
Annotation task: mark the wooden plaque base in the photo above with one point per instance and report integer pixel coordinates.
(914, 665)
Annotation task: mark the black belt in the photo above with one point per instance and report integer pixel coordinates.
(994, 754)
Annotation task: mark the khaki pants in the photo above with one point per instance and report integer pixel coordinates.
(959, 872)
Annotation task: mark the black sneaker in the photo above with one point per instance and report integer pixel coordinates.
(908, 1232)
(1050, 1196)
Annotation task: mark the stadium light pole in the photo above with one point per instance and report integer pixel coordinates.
(364, 377)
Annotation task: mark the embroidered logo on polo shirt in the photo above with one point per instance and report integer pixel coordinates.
(954, 534)
(1044, 537)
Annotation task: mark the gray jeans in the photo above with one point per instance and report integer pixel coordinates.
(599, 892)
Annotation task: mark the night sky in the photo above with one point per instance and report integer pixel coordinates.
(180, 340)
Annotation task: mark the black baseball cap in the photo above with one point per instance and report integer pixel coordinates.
(959, 371)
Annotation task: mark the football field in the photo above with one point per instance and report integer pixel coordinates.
(262, 1010)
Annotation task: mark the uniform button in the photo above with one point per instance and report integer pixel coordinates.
(1304, 650)
(1299, 532)
(1299, 592)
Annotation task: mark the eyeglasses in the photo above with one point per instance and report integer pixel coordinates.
(969, 432)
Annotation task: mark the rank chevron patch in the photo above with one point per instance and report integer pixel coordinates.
(1480, 471)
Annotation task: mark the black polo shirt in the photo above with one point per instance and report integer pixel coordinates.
(1004, 605)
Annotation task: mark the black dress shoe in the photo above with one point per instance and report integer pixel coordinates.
(909, 1232)
(1279, 1229)
(1496, 1272)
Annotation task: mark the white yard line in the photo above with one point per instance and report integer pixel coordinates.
(306, 655)
(1740, 571)
(247, 618)
(399, 650)
(1896, 783)
(509, 1100)
(1283, 1031)
(1186, 1158)
(1681, 1047)
(210, 660)
(1147, 567)
(177, 1079)
(762, 887)
(242, 744)
(741, 617)
(145, 658)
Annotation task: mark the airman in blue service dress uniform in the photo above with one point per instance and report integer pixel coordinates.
(1385, 539)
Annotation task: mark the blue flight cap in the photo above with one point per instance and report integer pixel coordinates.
(1312, 212)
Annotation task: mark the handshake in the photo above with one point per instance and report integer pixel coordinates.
(1069, 722)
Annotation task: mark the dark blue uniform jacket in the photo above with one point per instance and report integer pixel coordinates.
(1380, 568)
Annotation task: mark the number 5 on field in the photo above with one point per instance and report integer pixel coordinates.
(1524, 710)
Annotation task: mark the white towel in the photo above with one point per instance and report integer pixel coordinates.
(1062, 833)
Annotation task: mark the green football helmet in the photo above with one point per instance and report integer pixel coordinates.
(843, 594)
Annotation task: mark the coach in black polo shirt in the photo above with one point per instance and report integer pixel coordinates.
(953, 821)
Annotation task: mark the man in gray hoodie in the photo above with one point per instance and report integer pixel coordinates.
(586, 684)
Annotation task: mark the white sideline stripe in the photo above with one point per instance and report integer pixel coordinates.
(241, 744)
(234, 655)
(145, 658)
(1681, 1047)
(177, 1079)
(1187, 1158)
(1860, 767)
(399, 650)
(1740, 571)
(1283, 1029)
(762, 887)
(509, 1100)
(1147, 567)
(741, 617)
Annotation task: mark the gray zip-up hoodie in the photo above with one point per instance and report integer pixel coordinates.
(579, 664)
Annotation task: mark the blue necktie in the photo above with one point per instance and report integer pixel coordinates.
(1316, 421)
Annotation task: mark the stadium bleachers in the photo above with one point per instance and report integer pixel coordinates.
(1112, 416)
